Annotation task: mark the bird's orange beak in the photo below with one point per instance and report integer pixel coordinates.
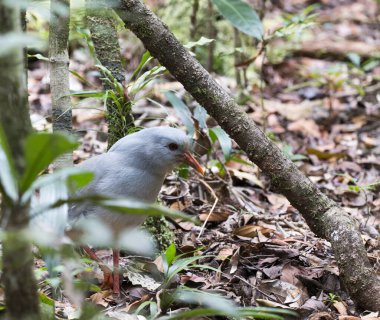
(189, 159)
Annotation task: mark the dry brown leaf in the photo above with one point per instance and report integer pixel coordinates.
(340, 307)
(321, 316)
(159, 263)
(251, 231)
(134, 305)
(178, 205)
(214, 216)
(278, 201)
(99, 297)
(225, 253)
(235, 261)
(247, 176)
(308, 127)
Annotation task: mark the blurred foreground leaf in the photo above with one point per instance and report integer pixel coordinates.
(41, 149)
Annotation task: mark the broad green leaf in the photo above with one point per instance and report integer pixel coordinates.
(170, 254)
(205, 312)
(201, 42)
(241, 15)
(223, 138)
(123, 206)
(47, 307)
(17, 40)
(8, 182)
(73, 177)
(205, 299)
(139, 208)
(41, 149)
(182, 110)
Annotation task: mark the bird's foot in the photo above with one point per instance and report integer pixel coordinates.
(107, 277)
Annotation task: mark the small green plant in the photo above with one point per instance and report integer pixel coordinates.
(293, 27)
(198, 303)
(332, 298)
(364, 188)
(173, 264)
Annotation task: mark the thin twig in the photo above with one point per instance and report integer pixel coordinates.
(212, 208)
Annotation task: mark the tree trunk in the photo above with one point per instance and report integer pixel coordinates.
(59, 72)
(323, 215)
(104, 36)
(21, 297)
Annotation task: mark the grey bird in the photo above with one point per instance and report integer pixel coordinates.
(135, 167)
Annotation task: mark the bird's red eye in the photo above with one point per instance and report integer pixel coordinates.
(173, 146)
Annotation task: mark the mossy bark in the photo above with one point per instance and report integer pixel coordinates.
(21, 297)
(104, 36)
(59, 72)
(323, 215)
(162, 234)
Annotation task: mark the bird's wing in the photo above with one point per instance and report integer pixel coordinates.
(115, 177)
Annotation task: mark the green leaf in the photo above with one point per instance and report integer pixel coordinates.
(16, 40)
(73, 177)
(148, 76)
(87, 94)
(39, 57)
(355, 59)
(242, 16)
(76, 74)
(8, 182)
(182, 110)
(144, 60)
(139, 208)
(41, 149)
(47, 307)
(170, 254)
(200, 114)
(205, 299)
(247, 311)
(223, 138)
(201, 42)
(181, 264)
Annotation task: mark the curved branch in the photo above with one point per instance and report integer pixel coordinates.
(323, 215)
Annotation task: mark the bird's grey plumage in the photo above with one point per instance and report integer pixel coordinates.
(135, 167)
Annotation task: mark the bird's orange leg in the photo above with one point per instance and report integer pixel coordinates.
(107, 272)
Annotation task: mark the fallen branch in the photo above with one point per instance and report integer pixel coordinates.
(336, 48)
(323, 215)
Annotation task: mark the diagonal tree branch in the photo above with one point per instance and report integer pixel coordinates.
(323, 215)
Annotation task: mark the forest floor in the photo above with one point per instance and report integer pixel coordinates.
(322, 109)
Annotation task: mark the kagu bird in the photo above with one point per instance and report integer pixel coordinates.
(135, 167)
